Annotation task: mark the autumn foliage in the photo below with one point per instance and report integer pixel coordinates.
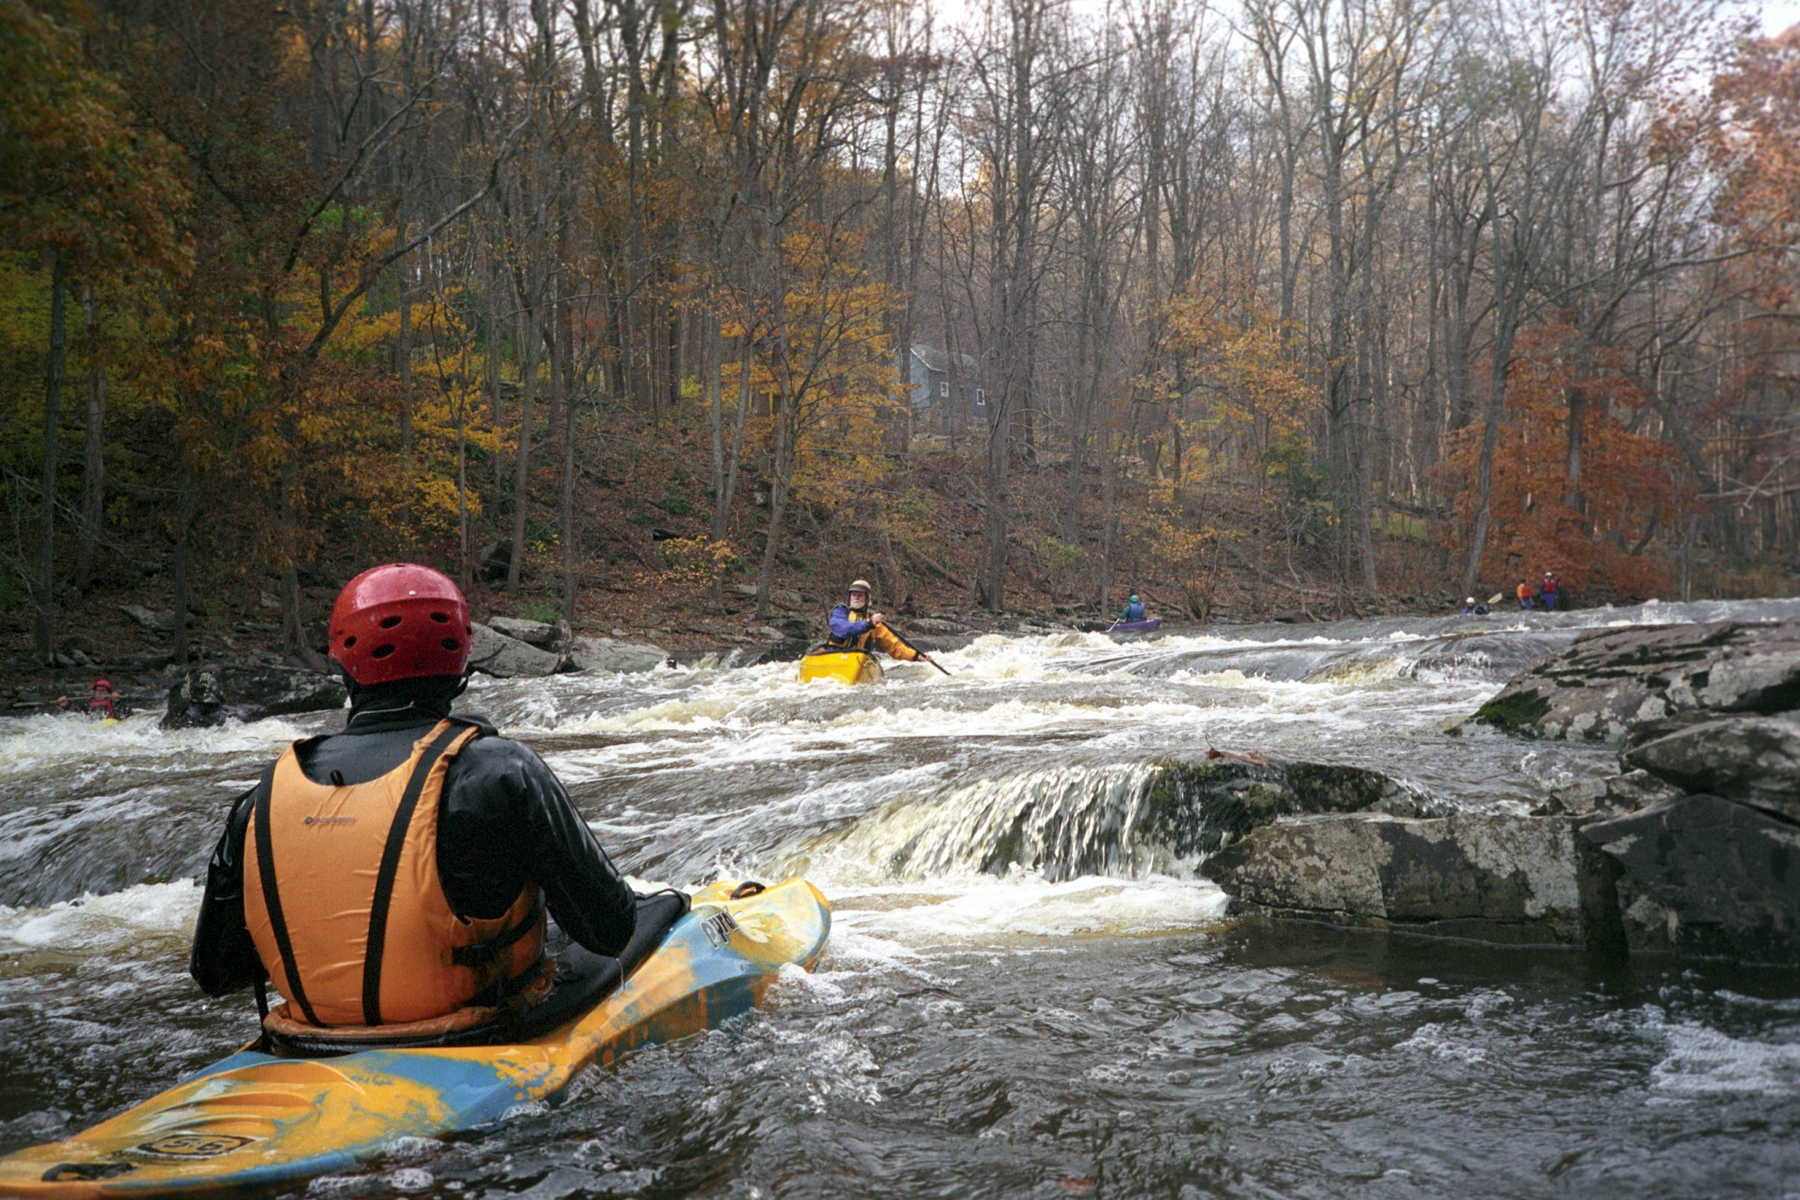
(1319, 310)
(1590, 528)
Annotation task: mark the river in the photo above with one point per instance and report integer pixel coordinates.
(1025, 993)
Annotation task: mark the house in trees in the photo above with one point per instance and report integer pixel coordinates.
(945, 395)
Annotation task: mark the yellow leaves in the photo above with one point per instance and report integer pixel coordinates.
(692, 563)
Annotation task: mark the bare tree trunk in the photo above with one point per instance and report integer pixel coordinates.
(528, 345)
(44, 622)
(562, 396)
(722, 507)
(93, 475)
(780, 475)
(184, 536)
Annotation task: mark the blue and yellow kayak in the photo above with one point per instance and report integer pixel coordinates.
(253, 1122)
(845, 666)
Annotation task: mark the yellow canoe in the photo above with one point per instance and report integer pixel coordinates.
(253, 1123)
(845, 666)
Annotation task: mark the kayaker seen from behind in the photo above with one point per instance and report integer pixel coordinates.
(1133, 611)
(854, 627)
(393, 878)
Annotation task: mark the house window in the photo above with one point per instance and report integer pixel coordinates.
(943, 388)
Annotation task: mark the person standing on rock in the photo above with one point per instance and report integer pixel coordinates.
(1525, 595)
(852, 626)
(1548, 594)
(395, 876)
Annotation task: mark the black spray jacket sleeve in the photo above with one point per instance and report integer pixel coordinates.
(224, 957)
(504, 820)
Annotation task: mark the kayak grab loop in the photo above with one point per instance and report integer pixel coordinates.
(747, 888)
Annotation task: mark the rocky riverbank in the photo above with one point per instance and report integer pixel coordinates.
(249, 681)
(1692, 849)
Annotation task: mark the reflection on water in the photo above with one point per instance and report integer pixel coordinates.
(1099, 1029)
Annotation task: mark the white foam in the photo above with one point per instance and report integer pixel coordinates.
(986, 910)
(1705, 1062)
(113, 921)
(31, 745)
(1437, 1042)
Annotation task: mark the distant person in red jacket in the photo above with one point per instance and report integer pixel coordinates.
(1547, 594)
(103, 700)
(1525, 595)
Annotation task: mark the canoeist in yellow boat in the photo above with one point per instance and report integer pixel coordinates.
(854, 627)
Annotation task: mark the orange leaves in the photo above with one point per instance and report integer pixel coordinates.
(1574, 491)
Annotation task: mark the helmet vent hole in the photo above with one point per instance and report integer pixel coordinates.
(441, 618)
(350, 642)
(382, 651)
(389, 622)
(452, 644)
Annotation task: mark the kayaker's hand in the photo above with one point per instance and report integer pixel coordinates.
(878, 619)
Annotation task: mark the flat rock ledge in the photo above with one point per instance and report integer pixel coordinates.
(1696, 876)
(1494, 878)
(1691, 850)
(1613, 679)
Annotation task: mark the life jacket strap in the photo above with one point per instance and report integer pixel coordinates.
(390, 867)
(481, 956)
(265, 865)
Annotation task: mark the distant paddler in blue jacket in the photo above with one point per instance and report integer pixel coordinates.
(854, 627)
(1133, 611)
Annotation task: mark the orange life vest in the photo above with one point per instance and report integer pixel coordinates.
(858, 641)
(344, 902)
(875, 637)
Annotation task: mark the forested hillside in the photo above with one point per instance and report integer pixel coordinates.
(1295, 305)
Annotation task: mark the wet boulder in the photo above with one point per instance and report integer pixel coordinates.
(1489, 877)
(1615, 794)
(1198, 807)
(1694, 850)
(788, 639)
(1612, 679)
(1704, 876)
(615, 656)
(213, 694)
(494, 653)
(1752, 759)
(542, 634)
(1083, 822)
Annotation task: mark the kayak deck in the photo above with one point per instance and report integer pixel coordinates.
(845, 666)
(252, 1122)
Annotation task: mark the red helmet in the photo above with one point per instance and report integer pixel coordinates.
(400, 621)
(102, 683)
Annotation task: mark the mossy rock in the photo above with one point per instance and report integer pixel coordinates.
(1515, 712)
